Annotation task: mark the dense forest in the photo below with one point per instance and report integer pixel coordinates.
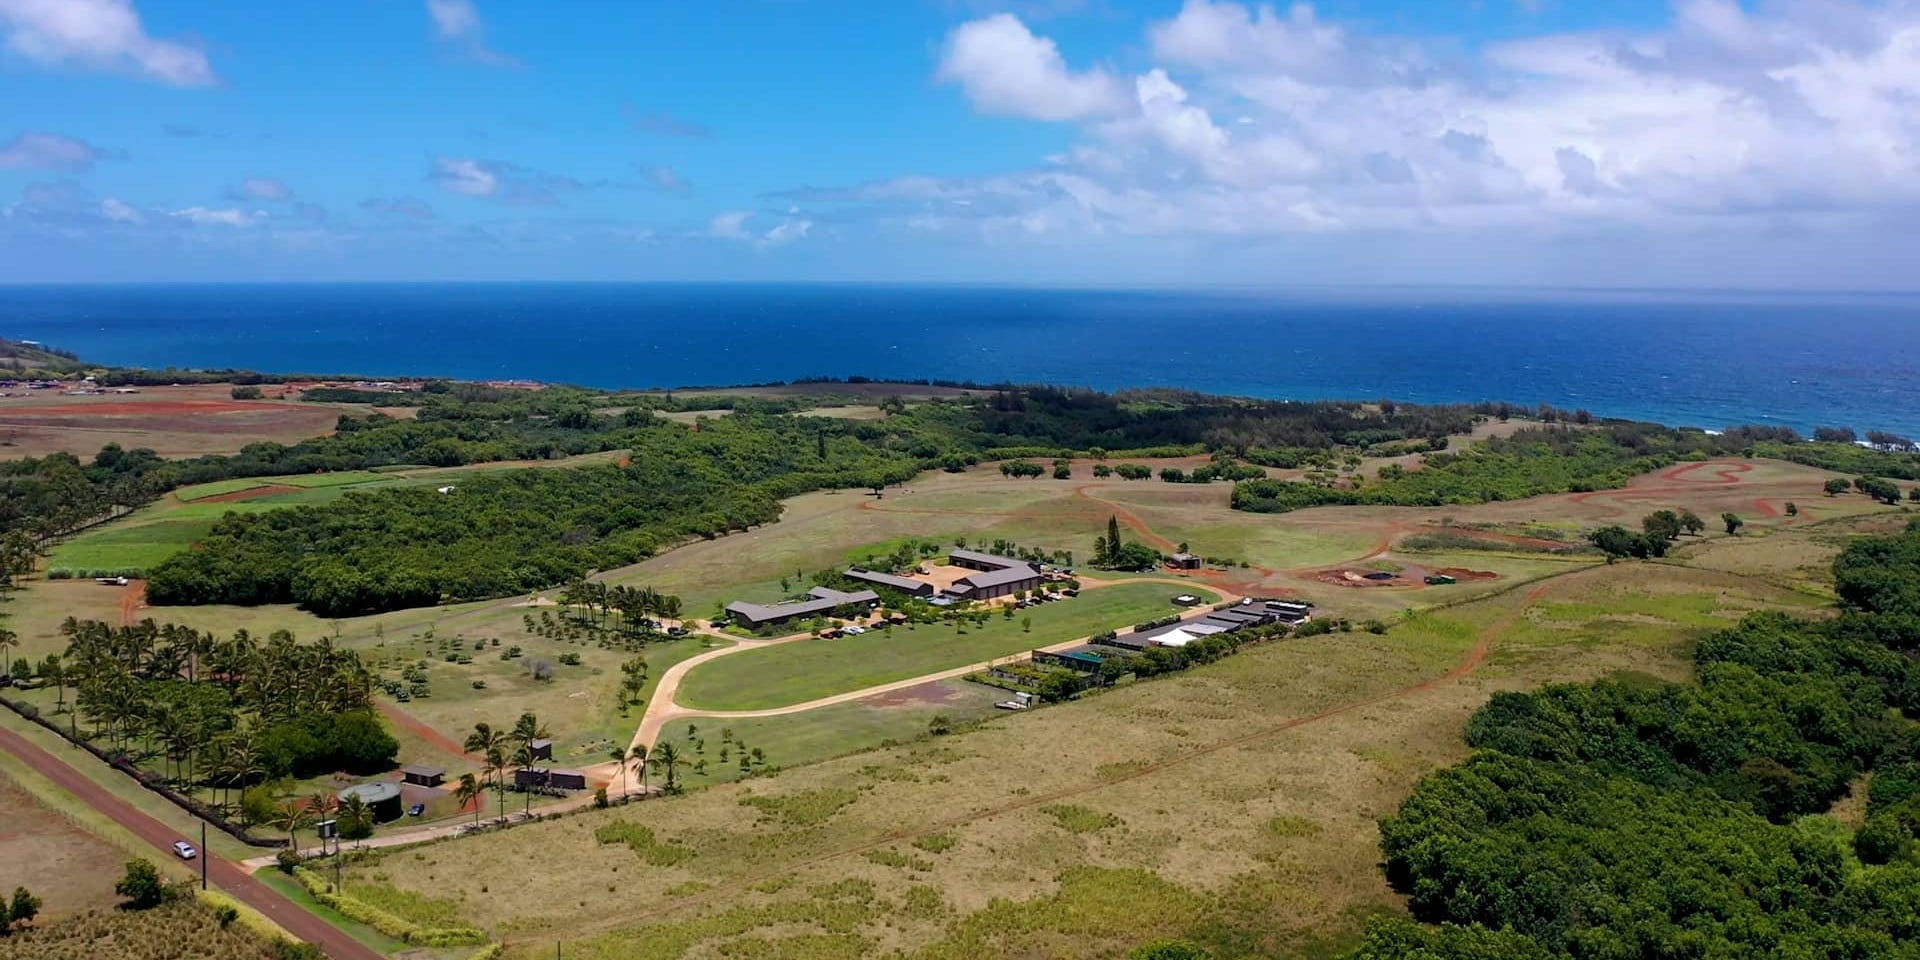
(1532, 461)
(1642, 819)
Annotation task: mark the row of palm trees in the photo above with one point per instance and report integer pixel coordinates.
(663, 757)
(633, 604)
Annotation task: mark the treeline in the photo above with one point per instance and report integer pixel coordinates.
(1648, 819)
(1531, 462)
(507, 532)
(217, 713)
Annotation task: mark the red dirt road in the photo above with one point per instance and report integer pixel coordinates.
(423, 730)
(221, 873)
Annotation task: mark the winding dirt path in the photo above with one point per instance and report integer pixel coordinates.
(1469, 662)
(662, 708)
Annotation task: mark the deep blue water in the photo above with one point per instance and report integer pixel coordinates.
(1698, 359)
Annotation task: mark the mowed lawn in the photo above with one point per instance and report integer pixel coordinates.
(810, 669)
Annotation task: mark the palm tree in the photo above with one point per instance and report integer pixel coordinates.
(8, 640)
(468, 791)
(667, 759)
(497, 773)
(356, 818)
(526, 730)
(293, 815)
(623, 757)
(643, 755)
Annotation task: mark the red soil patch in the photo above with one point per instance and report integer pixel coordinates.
(422, 730)
(909, 696)
(1463, 574)
(253, 493)
(1344, 577)
(132, 600)
(148, 408)
(1724, 473)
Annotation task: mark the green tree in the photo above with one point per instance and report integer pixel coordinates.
(1733, 524)
(21, 911)
(470, 789)
(356, 819)
(291, 817)
(665, 757)
(1664, 524)
(1170, 950)
(1837, 486)
(1615, 541)
(141, 886)
(1691, 522)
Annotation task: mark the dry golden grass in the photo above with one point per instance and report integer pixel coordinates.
(182, 930)
(68, 868)
(1243, 796)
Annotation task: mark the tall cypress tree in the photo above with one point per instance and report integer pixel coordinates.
(1113, 538)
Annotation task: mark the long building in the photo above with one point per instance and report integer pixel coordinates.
(906, 585)
(822, 601)
(998, 577)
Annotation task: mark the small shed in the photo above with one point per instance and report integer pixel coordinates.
(567, 779)
(541, 749)
(381, 797)
(423, 776)
(1184, 561)
(1440, 580)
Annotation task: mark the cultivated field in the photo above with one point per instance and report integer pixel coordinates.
(182, 421)
(68, 868)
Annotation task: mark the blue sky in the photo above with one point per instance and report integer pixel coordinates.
(1702, 143)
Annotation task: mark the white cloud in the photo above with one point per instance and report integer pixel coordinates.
(261, 188)
(226, 217)
(119, 211)
(730, 225)
(787, 232)
(1007, 70)
(48, 151)
(458, 22)
(470, 177)
(667, 179)
(1252, 120)
(99, 35)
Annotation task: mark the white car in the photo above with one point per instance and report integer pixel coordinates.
(856, 631)
(184, 850)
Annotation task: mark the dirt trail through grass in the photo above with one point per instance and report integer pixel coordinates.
(1468, 663)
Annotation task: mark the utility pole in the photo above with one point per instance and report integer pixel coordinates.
(203, 854)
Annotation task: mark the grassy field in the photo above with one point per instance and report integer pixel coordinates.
(1233, 804)
(63, 863)
(810, 669)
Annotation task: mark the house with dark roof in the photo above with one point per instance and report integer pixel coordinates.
(906, 585)
(820, 602)
(996, 583)
(1184, 561)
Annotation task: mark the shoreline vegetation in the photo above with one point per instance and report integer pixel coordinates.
(506, 532)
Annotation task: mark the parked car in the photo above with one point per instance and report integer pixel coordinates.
(184, 850)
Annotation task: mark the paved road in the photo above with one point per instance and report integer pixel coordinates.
(223, 874)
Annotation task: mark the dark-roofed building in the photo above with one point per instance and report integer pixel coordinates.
(975, 560)
(1085, 658)
(998, 577)
(423, 776)
(907, 585)
(1184, 561)
(540, 749)
(989, 584)
(821, 601)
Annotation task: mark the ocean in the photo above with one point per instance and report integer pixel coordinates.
(1697, 359)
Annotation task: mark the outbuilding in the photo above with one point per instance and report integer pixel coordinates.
(423, 776)
(380, 797)
(1184, 561)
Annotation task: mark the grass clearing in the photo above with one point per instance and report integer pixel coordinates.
(797, 672)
